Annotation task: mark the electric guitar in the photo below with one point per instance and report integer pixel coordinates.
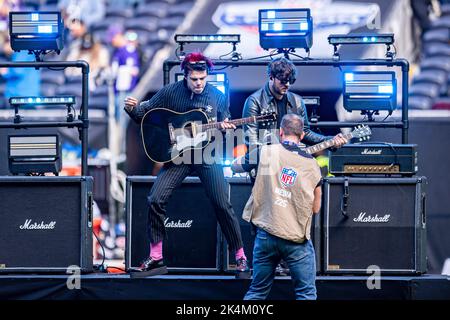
(362, 132)
(166, 134)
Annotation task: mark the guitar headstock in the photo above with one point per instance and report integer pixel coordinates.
(362, 132)
(267, 118)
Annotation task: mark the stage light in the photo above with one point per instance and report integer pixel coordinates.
(285, 29)
(17, 102)
(182, 39)
(40, 101)
(217, 79)
(34, 154)
(370, 91)
(36, 31)
(207, 38)
(362, 38)
(336, 39)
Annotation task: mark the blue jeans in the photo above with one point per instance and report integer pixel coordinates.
(267, 253)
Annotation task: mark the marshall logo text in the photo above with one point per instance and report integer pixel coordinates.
(369, 219)
(178, 224)
(28, 225)
(371, 151)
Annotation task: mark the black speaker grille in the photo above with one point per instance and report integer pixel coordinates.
(380, 227)
(55, 205)
(193, 247)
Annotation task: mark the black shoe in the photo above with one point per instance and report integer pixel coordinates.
(149, 267)
(242, 269)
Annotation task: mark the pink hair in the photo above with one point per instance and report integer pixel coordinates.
(194, 57)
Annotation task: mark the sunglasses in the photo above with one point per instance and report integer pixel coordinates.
(284, 81)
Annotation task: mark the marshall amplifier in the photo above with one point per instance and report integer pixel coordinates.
(46, 224)
(240, 190)
(377, 222)
(374, 158)
(192, 234)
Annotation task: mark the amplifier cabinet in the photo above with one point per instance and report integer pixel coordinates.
(192, 233)
(46, 224)
(374, 222)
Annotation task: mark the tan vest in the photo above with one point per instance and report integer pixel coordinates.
(282, 197)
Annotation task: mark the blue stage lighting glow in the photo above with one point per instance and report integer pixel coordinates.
(221, 89)
(386, 89)
(303, 26)
(277, 26)
(41, 100)
(45, 29)
(349, 77)
(370, 90)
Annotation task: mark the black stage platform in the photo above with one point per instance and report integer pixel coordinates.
(214, 287)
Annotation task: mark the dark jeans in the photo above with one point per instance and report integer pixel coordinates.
(170, 177)
(267, 253)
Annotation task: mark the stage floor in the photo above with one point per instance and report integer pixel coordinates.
(213, 287)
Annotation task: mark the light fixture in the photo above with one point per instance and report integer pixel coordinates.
(370, 91)
(362, 38)
(34, 154)
(207, 38)
(40, 101)
(285, 29)
(182, 39)
(17, 102)
(36, 31)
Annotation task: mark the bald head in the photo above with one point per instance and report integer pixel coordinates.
(292, 125)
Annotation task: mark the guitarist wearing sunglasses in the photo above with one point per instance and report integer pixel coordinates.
(276, 97)
(191, 93)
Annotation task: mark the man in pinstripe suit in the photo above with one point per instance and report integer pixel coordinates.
(191, 93)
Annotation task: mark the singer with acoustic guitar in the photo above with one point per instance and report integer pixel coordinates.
(174, 102)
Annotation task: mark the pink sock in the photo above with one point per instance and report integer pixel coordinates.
(240, 254)
(156, 250)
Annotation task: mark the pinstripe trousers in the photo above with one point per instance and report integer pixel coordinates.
(170, 177)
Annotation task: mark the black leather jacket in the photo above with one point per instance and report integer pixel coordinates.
(262, 101)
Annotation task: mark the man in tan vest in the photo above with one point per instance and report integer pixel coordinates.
(286, 193)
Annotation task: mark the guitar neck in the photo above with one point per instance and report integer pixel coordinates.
(236, 122)
(326, 144)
